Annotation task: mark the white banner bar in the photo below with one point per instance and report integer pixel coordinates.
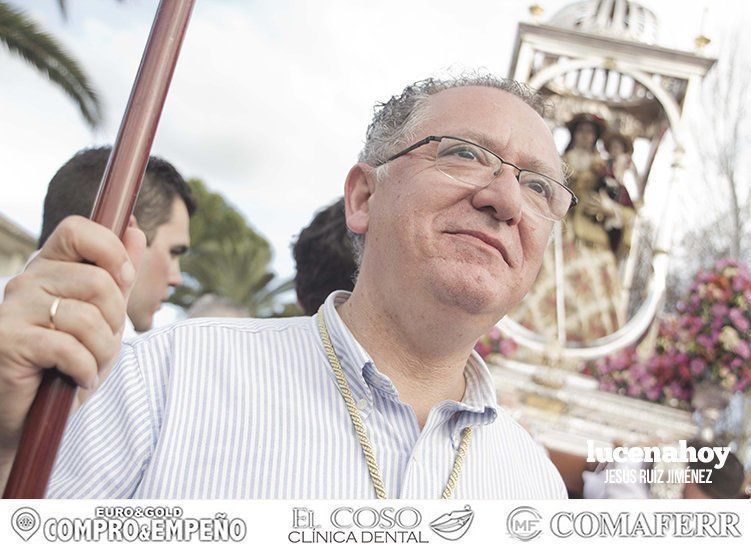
(374, 522)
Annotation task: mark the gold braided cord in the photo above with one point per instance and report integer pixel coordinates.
(362, 435)
(456, 470)
(354, 414)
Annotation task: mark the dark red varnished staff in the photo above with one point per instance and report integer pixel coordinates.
(114, 203)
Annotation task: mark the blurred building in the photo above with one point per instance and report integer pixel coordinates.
(16, 245)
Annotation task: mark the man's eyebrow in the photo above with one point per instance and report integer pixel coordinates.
(539, 166)
(526, 162)
(181, 249)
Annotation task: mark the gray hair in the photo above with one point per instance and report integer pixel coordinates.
(396, 121)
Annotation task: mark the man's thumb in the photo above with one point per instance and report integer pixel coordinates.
(134, 241)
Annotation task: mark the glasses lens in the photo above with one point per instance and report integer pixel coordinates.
(543, 195)
(466, 163)
(473, 165)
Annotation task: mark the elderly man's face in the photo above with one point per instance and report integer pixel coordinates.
(476, 249)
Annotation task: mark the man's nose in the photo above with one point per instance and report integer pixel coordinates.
(502, 198)
(176, 276)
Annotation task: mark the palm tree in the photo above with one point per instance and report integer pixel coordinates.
(235, 267)
(23, 37)
(228, 258)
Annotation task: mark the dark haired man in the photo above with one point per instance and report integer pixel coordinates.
(162, 212)
(324, 258)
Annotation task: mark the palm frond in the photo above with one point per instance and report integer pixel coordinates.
(266, 299)
(24, 38)
(228, 258)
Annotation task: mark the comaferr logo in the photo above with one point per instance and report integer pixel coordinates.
(643, 524)
(454, 525)
(524, 523)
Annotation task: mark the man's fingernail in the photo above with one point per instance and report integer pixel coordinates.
(93, 382)
(127, 273)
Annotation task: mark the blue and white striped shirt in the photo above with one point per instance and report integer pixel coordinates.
(249, 408)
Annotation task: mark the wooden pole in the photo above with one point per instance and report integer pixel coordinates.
(45, 422)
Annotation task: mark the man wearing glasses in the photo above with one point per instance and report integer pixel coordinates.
(377, 395)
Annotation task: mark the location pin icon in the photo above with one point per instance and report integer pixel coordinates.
(25, 522)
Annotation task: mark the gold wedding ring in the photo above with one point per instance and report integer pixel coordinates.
(53, 311)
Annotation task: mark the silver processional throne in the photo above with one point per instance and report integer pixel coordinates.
(600, 56)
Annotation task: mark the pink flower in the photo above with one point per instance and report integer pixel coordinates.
(705, 341)
(739, 320)
(609, 387)
(698, 366)
(677, 391)
(620, 363)
(482, 349)
(743, 349)
(738, 283)
(507, 346)
(633, 390)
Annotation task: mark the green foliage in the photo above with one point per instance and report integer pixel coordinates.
(24, 38)
(227, 258)
(291, 309)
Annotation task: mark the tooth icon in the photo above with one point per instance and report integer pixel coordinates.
(454, 525)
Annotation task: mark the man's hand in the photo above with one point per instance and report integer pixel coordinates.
(88, 323)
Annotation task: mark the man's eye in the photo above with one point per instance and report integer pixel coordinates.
(179, 251)
(540, 186)
(463, 152)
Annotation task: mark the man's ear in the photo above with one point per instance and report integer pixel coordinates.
(358, 189)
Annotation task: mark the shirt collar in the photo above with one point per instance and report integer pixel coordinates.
(352, 356)
(478, 407)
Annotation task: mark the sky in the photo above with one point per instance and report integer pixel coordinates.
(270, 100)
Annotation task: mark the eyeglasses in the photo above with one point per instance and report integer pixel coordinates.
(470, 163)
